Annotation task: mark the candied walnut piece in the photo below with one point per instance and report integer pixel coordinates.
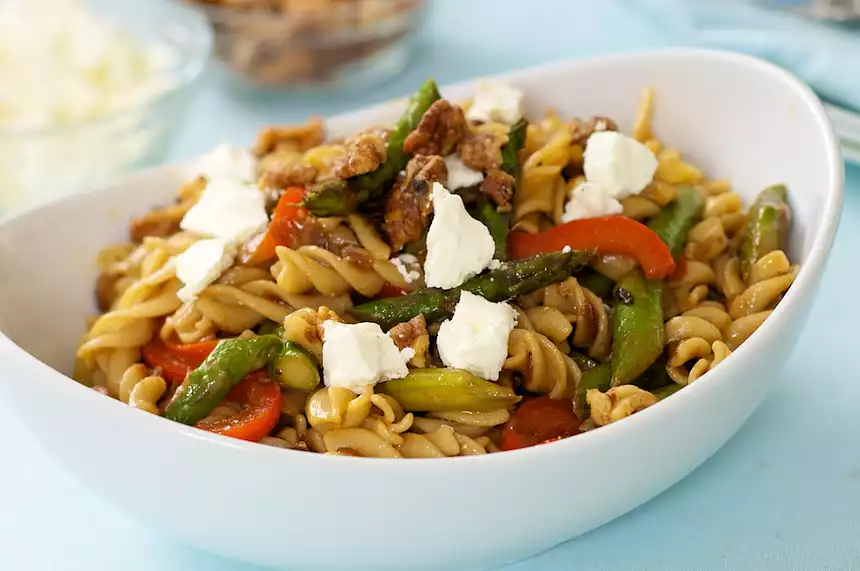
(284, 176)
(364, 153)
(408, 206)
(413, 335)
(161, 222)
(290, 137)
(582, 131)
(439, 132)
(482, 151)
(499, 187)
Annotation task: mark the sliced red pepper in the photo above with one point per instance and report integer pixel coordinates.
(282, 231)
(260, 398)
(390, 290)
(176, 360)
(607, 235)
(538, 421)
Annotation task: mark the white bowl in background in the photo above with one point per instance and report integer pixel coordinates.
(738, 117)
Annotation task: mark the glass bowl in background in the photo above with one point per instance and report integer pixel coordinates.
(313, 43)
(40, 163)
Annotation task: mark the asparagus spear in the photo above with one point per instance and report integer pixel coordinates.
(675, 221)
(224, 368)
(294, 368)
(767, 226)
(440, 390)
(511, 150)
(510, 280)
(638, 330)
(598, 378)
(499, 223)
(667, 391)
(341, 197)
(584, 362)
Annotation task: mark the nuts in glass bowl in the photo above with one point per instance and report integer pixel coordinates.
(312, 42)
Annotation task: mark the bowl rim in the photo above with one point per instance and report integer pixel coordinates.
(803, 286)
(184, 73)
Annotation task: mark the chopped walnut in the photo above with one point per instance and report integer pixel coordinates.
(617, 403)
(291, 137)
(441, 128)
(482, 151)
(413, 334)
(304, 327)
(364, 153)
(408, 206)
(582, 131)
(161, 222)
(499, 187)
(287, 176)
(164, 222)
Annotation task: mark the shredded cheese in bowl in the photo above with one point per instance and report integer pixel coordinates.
(78, 91)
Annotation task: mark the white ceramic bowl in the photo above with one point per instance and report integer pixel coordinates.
(738, 117)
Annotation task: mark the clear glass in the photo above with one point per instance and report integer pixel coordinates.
(37, 164)
(313, 43)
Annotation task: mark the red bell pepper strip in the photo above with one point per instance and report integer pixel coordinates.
(260, 398)
(176, 360)
(286, 221)
(607, 235)
(538, 421)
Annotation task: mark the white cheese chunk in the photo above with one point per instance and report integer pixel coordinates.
(459, 175)
(620, 164)
(228, 210)
(228, 163)
(458, 246)
(354, 356)
(409, 276)
(476, 337)
(495, 101)
(201, 264)
(494, 265)
(590, 200)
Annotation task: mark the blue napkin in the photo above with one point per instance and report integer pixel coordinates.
(824, 56)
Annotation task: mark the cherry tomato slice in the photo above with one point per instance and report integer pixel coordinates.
(176, 360)
(540, 420)
(260, 398)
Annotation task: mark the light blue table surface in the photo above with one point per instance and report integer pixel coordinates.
(782, 495)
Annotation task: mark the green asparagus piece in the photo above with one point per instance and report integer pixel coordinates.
(667, 391)
(332, 198)
(638, 330)
(224, 368)
(511, 150)
(338, 198)
(597, 378)
(767, 226)
(598, 284)
(584, 362)
(294, 368)
(675, 221)
(499, 223)
(439, 390)
(510, 280)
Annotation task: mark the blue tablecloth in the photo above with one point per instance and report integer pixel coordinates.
(782, 495)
